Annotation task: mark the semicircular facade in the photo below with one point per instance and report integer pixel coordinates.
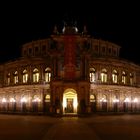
(69, 72)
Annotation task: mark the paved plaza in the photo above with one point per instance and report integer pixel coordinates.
(96, 127)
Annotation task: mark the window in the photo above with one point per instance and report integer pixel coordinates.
(36, 49)
(16, 77)
(35, 75)
(25, 52)
(114, 76)
(30, 50)
(8, 79)
(47, 75)
(43, 48)
(103, 49)
(96, 48)
(92, 98)
(114, 52)
(123, 77)
(25, 76)
(131, 79)
(104, 76)
(109, 50)
(47, 98)
(92, 75)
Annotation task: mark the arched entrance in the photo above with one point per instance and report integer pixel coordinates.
(70, 101)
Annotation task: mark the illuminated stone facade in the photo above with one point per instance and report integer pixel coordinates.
(69, 72)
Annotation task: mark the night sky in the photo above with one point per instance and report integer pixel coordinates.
(24, 22)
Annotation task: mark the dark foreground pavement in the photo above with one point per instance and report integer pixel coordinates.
(97, 127)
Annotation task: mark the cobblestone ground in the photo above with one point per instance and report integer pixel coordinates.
(97, 127)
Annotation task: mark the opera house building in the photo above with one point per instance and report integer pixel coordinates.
(69, 72)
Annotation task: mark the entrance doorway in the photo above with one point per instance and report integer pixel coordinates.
(70, 101)
(69, 107)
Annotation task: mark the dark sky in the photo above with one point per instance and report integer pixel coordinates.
(23, 22)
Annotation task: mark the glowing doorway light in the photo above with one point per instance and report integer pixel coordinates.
(75, 103)
(37, 100)
(4, 100)
(72, 95)
(64, 102)
(116, 100)
(135, 100)
(23, 100)
(127, 100)
(103, 100)
(12, 100)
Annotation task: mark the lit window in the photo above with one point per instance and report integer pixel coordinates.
(8, 79)
(92, 98)
(103, 99)
(104, 76)
(25, 76)
(16, 77)
(35, 75)
(47, 75)
(123, 77)
(36, 99)
(92, 75)
(114, 76)
(47, 98)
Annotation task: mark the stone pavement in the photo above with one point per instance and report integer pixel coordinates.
(97, 127)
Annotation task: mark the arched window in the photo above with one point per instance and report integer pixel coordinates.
(92, 75)
(35, 103)
(47, 98)
(103, 101)
(8, 78)
(115, 103)
(104, 75)
(131, 79)
(15, 77)
(35, 75)
(123, 77)
(12, 104)
(114, 76)
(47, 75)
(23, 101)
(92, 98)
(25, 76)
